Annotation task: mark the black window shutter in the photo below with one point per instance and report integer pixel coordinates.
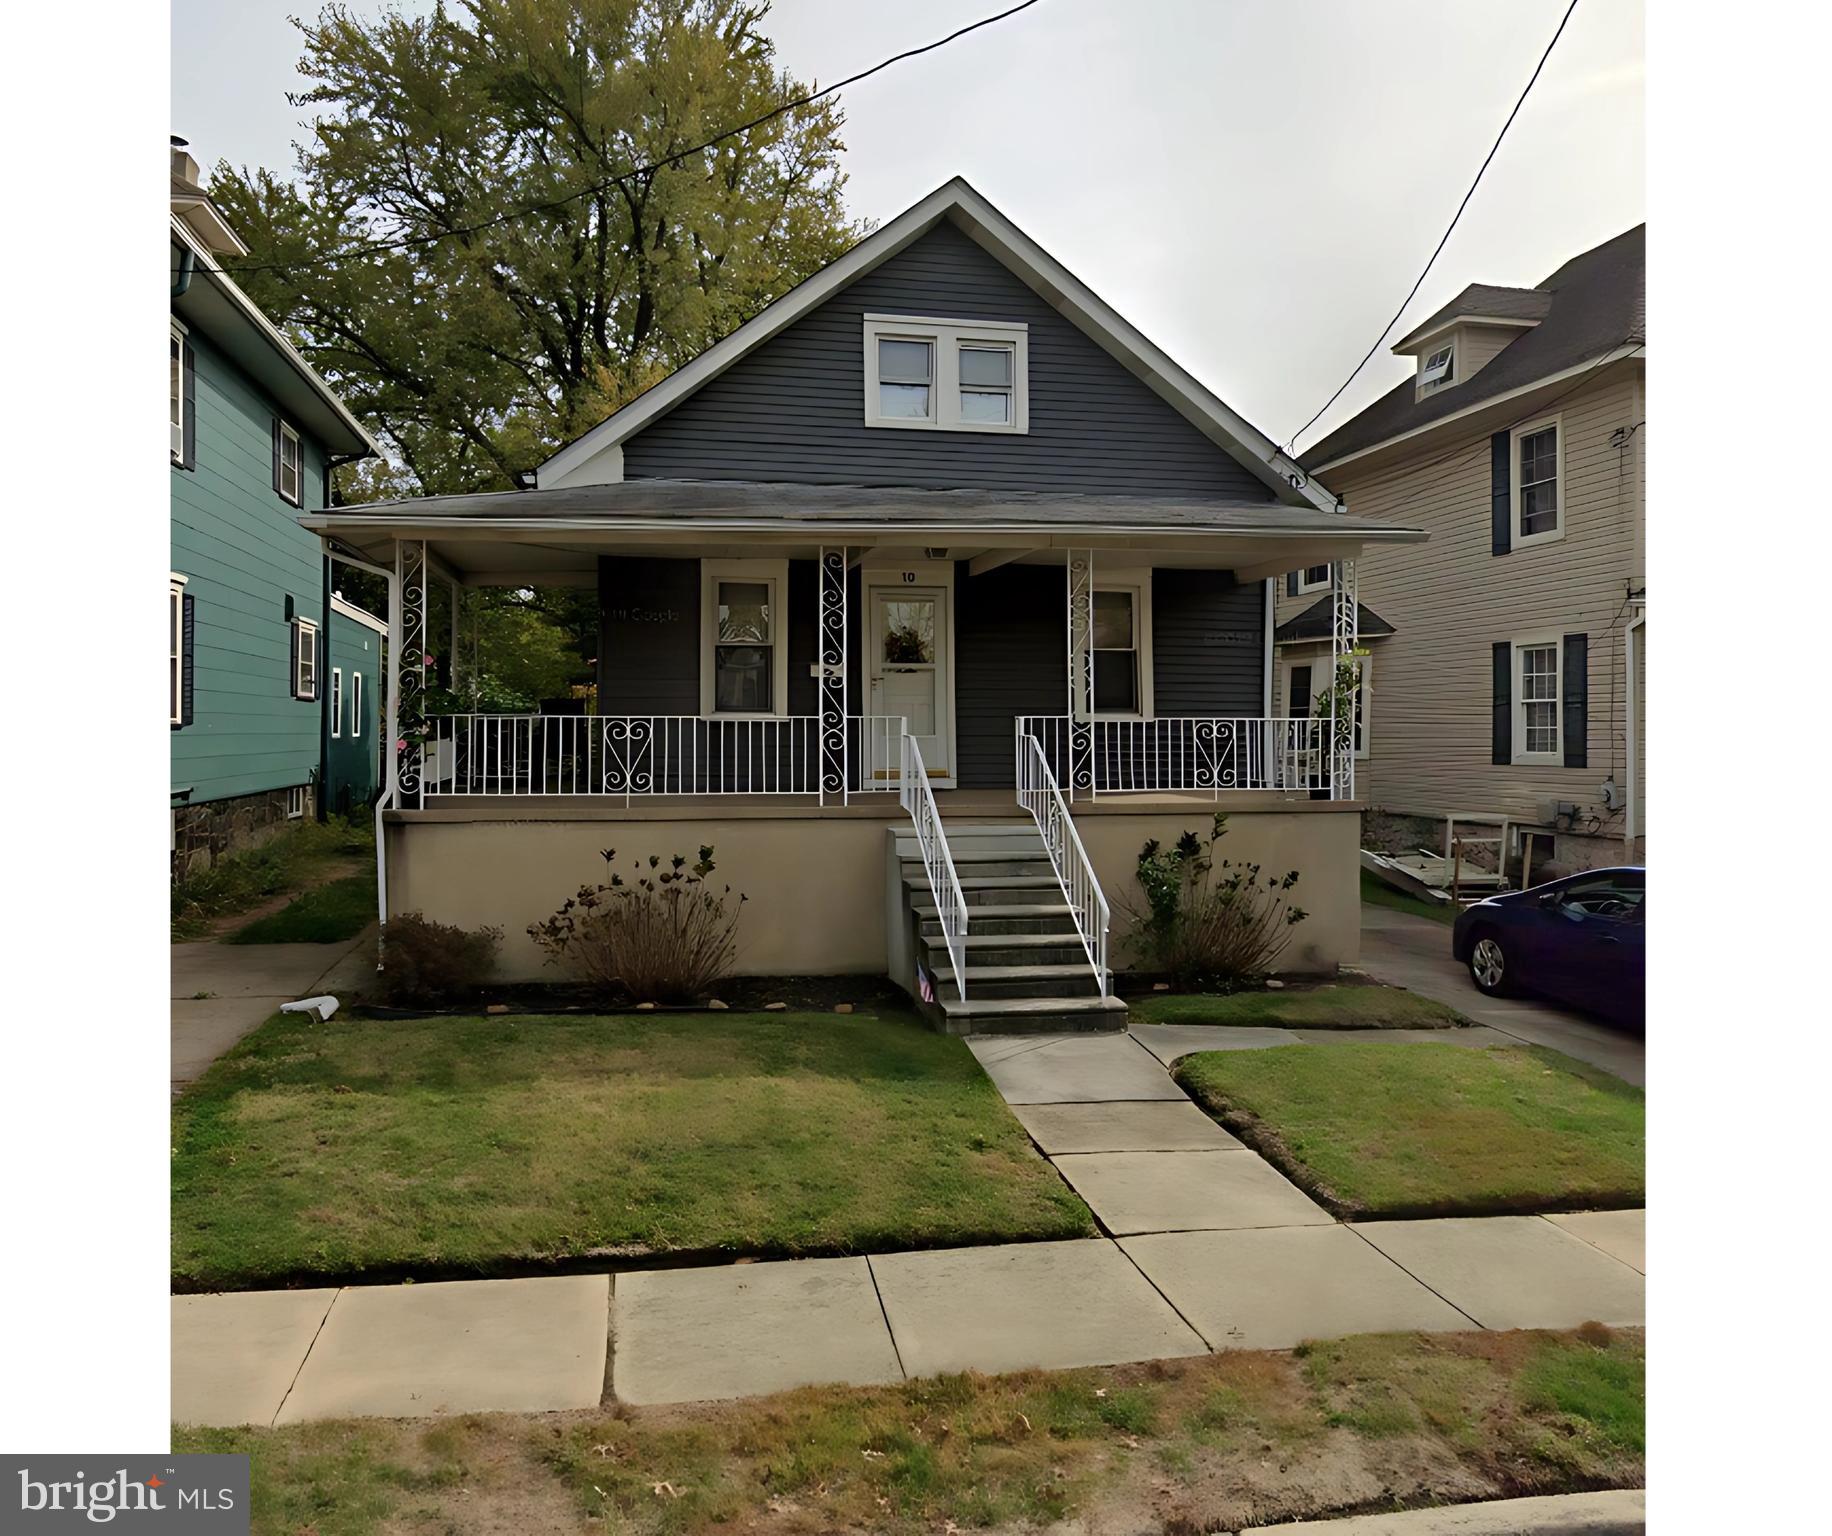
(1574, 693)
(1501, 510)
(1291, 583)
(190, 409)
(1503, 744)
(276, 453)
(187, 667)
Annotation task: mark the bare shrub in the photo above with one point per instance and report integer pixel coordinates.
(665, 936)
(1209, 920)
(428, 962)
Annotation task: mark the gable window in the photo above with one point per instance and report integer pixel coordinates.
(356, 704)
(1539, 463)
(289, 465)
(1536, 701)
(1313, 578)
(177, 394)
(946, 375)
(1122, 649)
(305, 659)
(1439, 368)
(175, 639)
(743, 657)
(336, 703)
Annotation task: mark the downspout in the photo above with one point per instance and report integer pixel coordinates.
(187, 264)
(325, 693)
(1629, 828)
(1266, 624)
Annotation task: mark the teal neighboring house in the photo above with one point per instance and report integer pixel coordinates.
(274, 700)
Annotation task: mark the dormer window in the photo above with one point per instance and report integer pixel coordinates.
(946, 375)
(1439, 367)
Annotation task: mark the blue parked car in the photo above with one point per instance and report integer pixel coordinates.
(1580, 940)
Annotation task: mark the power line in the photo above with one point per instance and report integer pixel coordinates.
(406, 242)
(1413, 292)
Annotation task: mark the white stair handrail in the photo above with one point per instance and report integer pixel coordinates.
(937, 862)
(1038, 793)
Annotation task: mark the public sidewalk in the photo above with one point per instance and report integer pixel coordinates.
(1209, 1248)
(221, 991)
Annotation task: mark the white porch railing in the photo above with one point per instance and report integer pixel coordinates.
(1038, 793)
(625, 756)
(1199, 754)
(938, 864)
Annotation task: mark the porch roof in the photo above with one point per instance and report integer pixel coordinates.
(579, 521)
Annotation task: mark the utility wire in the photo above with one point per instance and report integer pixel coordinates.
(405, 242)
(1413, 292)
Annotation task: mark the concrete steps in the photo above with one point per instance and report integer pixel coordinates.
(1027, 970)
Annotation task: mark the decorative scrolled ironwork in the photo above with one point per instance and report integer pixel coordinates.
(831, 632)
(410, 669)
(1081, 670)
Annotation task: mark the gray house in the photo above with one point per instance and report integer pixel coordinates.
(927, 596)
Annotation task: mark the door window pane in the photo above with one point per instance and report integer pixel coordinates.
(1300, 701)
(909, 631)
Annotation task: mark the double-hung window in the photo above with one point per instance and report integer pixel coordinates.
(175, 636)
(743, 657)
(289, 465)
(1539, 462)
(946, 375)
(178, 394)
(336, 703)
(1121, 649)
(305, 659)
(1537, 701)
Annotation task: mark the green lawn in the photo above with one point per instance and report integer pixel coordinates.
(1213, 1443)
(1388, 1129)
(323, 915)
(1377, 893)
(1343, 1006)
(461, 1144)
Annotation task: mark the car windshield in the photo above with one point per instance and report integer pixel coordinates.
(1617, 894)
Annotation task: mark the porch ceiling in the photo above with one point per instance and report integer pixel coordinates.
(556, 535)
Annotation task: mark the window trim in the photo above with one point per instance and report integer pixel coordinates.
(295, 802)
(776, 573)
(175, 615)
(947, 337)
(1516, 538)
(301, 628)
(356, 705)
(1555, 758)
(181, 336)
(336, 703)
(1137, 582)
(1306, 585)
(289, 432)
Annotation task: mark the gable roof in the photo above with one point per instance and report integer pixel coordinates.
(959, 203)
(1483, 301)
(1597, 305)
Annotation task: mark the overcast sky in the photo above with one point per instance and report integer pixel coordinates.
(1253, 183)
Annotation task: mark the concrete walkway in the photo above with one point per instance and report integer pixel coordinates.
(1414, 952)
(221, 991)
(1207, 1247)
(1613, 1512)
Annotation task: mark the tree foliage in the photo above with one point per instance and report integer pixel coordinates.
(476, 351)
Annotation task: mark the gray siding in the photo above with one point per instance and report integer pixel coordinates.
(1207, 643)
(794, 409)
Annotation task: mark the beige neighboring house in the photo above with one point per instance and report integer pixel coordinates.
(1506, 658)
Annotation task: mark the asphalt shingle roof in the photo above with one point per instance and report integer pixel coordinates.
(1594, 302)
(1318, 622)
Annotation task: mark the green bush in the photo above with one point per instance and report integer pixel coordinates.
(1209, 920)
(424, 962)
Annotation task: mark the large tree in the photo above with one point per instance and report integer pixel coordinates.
(533, 291)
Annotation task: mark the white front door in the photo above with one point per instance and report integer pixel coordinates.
(908, 672)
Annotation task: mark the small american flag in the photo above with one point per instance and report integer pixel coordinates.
(925, 985)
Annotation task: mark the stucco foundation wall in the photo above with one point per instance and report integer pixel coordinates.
(815, 886)
(1321, 845)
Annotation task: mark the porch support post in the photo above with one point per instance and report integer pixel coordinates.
(407, 703)
(451, 656)
(1081, 672)
(832, 642)
(1345, 639)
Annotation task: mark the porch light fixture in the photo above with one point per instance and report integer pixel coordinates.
(935, 554)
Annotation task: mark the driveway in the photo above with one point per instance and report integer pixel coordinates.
(221, 991)
(1414, 952)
